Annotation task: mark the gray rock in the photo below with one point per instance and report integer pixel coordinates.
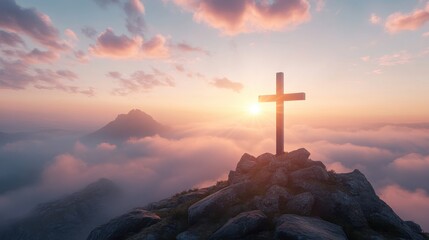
(241, 225)
(414, 226)
(124, 226)
(289, 226)
(172, 202)
(217, 202)
(236, 177)
(279, 177)
(378, 214)
(265, 158)
(273, 199)
(316, 173)
(301, 204)
(246, 163)
(299, 156)
(262, 177)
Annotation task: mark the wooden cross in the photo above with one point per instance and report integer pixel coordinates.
(279, 98)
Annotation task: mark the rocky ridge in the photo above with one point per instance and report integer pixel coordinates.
(268, 197)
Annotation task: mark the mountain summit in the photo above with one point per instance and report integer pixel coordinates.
(135, 124)
(268, 197)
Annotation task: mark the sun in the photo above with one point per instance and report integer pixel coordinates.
(254, 109)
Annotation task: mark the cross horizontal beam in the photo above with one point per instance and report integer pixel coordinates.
(284, 97)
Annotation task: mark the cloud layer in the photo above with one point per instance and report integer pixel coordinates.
(233, 17)
(394, 158)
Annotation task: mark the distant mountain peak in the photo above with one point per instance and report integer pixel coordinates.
(134, 113)
(134, 124)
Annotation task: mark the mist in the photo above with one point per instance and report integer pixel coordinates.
(393, 157)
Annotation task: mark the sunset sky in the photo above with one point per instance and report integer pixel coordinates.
(78, 63)
(199, 66)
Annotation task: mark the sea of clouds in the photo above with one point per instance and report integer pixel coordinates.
(395, 158)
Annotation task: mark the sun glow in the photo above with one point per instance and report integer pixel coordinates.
(254, 109)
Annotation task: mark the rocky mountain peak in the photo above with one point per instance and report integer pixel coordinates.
(134, 124)
(269, 197)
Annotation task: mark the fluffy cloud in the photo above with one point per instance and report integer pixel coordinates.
(184, 47)
(374, 19)
(30, 22)
(110, 45)
(71, 35)
(227, 84)
(410, 205)
(156, 47)
(135, 21)
(89, 32)
(13, 75)
(233, 17)
(121, 46)
(393, 157)
(10, 39)
(18, 75)
(397, 22)
(39, 56)
(141, 81)
(152, 165)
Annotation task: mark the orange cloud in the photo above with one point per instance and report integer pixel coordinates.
(156, 47)
(227, 84)
(233, 17)
(397, 22)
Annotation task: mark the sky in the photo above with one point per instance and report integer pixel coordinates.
(199, 60)
(199, 66)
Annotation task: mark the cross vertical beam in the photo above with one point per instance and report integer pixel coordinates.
(279, 98)
(279, 113)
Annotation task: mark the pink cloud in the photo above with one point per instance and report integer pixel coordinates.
(156, 48)
(39, 56)
(227, 84)
(106, 146)
(30, 22)
(374, 19)
(397, 22)
(184, 47)
(135, 21)
(426, 34)
(411, 162)
(410, 205)
(109, 44)
(81, 56)
(11, 39)
(118, 46)
(399, 58)
(71, 35)
(233, 17)
(141, 81)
